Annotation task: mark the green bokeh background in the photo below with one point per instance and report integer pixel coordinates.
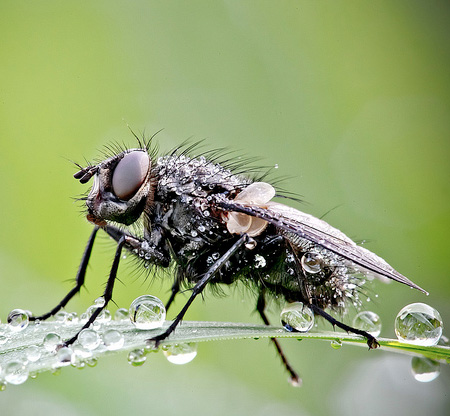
(350, 99)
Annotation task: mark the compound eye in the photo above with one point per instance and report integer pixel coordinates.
(130, 173)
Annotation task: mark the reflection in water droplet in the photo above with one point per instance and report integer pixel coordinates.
(18, 320)
(311, 262)
(147, 312)
(180, 353)
(113, 340)
(297, 316)
(89, 339)
(419, 324)
(51, 341)
(64, 356)
(336, 344)
(15, 372)
(425, 369)
(121, 314)
(368, 321)
(136, 357)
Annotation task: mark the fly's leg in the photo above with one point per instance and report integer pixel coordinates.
(371, 340)
(107, 295)
(295, 379)
(79, 280)
(175, 291)
(201, 284)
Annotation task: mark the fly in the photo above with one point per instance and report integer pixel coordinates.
(220, 227)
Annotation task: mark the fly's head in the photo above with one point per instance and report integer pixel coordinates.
(122, 187)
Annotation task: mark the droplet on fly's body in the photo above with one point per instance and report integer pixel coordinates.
(113, 340)
(419, 324)
(147, 312)
(424, 369)
(180, 353)
(51, 341)
(312, 262)
(137, 357)
(368, 321)
(15, 372)
(89, 339)
(296, 316)
(18, 320)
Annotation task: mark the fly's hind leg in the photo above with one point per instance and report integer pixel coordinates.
(81, 274)
(294, 377)
(371, 340)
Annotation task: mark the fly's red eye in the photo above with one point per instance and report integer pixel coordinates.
(130, 174)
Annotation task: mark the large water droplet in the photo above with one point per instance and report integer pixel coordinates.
(311, 262)
(15, 372)
(297, 316)
(368, 321)
(180, 353)
(147, 312)
(113, 340)
(89, 339)
(51, 341)
(137, 357)
(419, 324)
(425, 369)
(18, 320)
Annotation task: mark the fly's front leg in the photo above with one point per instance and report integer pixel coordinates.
(201, 284)
(107, 295)
(79, 280)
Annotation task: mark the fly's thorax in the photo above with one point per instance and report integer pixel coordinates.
(122, 188)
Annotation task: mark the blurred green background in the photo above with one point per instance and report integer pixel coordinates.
(350, 99)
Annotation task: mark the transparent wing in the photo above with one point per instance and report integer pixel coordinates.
(310, 228)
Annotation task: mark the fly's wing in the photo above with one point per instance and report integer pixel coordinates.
(293, 221)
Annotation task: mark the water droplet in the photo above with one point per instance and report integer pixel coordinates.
(419, 324)
(18, 320)
(33, 353)
(104, 316)
(425, 369)
(51, 341)
(260, 261)
(368, 321)
(121, 315)
(201, 228)
(250, 244)
(336, 344)
(91, 362)
(297, 316)
(276, 166)
(311, 262)
(194, 233)
(99, 302)
(89, 339)
(180, 353)
(72, 318)
(3, 339)
(113, 340)
(15, 372)
(61, 317)
(137, 357)
(147, 312)
(65, 356)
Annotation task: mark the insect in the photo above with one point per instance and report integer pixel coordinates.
(217, 226)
